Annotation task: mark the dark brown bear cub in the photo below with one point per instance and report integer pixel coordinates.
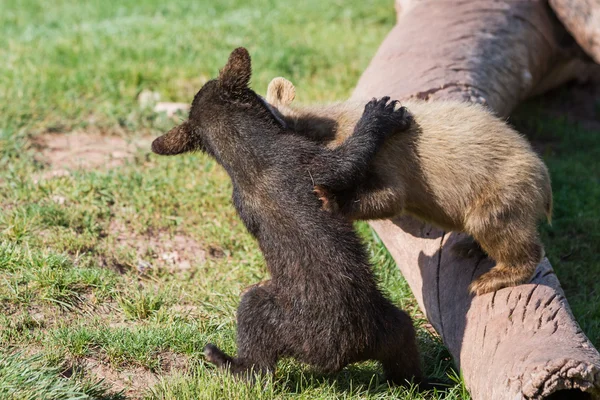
(322, 305)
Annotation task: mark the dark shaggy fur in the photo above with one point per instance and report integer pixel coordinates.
(321, 305)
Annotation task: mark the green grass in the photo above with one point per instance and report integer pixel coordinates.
(31, 378)
(73, 288)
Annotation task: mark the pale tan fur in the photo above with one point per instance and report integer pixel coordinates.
(458, 167)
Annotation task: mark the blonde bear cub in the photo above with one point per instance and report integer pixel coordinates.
(458, 167)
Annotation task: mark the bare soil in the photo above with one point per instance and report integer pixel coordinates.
(62, 153)
(176, 252)
(133, 382)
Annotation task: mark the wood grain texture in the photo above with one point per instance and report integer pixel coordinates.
(492, 52)
(582, 20)
(520, 342)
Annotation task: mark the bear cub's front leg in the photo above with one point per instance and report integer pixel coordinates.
(352, 158)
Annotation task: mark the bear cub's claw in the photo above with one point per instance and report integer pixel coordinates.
(384, 116)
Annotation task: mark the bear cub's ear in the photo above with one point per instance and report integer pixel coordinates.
(178, 140)
(280, 92)
(235, 75)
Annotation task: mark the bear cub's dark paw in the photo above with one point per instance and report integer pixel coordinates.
(215, 356)
(385, 118)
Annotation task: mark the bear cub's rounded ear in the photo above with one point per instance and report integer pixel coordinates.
(178, 140)
(280, 92)
(235, 75)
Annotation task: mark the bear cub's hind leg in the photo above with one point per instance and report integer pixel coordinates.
(258, 343)
(517, 255)
(398, 351)
(467, 248)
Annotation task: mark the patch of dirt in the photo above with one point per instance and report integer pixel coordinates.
(172, 362)
(80, 150)
(176, 252)
(134, 382)
(29, 317)
(42, 317)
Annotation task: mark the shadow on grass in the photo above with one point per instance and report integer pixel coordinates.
(364, 379)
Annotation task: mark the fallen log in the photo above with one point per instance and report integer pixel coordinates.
(521, 342)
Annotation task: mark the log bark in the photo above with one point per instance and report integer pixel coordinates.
(521, 342)
(582, 20)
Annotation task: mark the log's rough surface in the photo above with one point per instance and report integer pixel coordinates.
(521, 342)
(582, 19)
(493, 52)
